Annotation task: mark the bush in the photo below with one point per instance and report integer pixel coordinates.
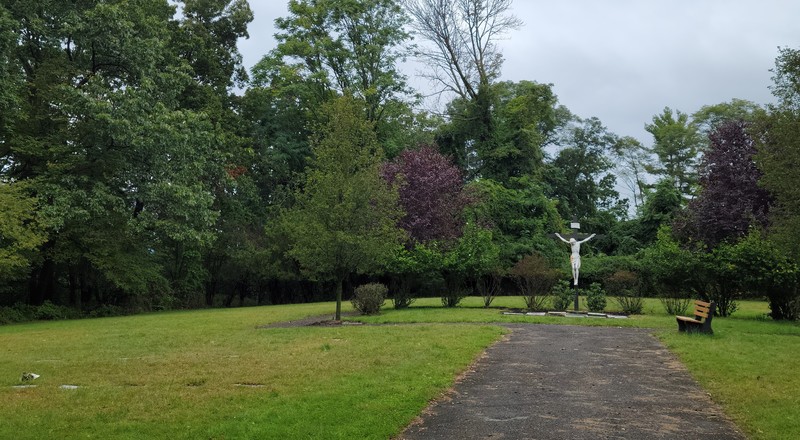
(563, 295)
(12, 315)
(489, 286)
(667, 267)
(48, 311)
(51, 312)
(455, 289)
(675, 305)
(535, 278)
(369, 298)
(601, 267)
(403, 291)
(596, 298)
(624, 285)
(784, 301)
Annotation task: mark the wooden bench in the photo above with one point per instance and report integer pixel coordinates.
(703, 313)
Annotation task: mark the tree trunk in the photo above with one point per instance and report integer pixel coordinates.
(339, 284)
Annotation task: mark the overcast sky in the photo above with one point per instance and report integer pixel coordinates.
(623, 61)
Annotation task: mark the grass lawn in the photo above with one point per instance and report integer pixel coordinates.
(214, 374)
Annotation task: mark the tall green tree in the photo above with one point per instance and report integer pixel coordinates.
(121, 166)
(325, 48)
(778, 145)
(677, 144)
(659, 209)
(344, 46)
(580, 176)
(205, 36)
(519, 214)
(528, 119)
(345, 218)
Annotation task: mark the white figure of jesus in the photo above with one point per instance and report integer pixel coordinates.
(575, 257)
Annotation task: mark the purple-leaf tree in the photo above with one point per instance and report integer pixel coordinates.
(730, 199)
(432, 194)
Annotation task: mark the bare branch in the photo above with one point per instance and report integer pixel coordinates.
(462, 34)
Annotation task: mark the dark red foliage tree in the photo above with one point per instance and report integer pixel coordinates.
(730, 199)
(432, 194)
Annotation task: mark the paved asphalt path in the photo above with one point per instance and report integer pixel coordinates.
(569, 382)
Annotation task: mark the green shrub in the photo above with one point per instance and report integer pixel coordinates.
(675, 305)
(489, 287)
(624, 285)
(27, 311)
(595, 298)
(12, 315)
(535, 278)
(369, 298)
(455, 289)
(403, 291)
(51, 312)
(563, 295)
(600, 267)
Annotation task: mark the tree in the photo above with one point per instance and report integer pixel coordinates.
(463, 53)
(20, 236)
(785, 81)
(710, 116)
(345, 217)
(520, 216)
(763, 269)
(431, 193)
(677, 142)
(474, 255)
(631, 160)
(343, 46)
(778, 146)
(580, 178)
(668, 268)
(465, 62)
(658, 210)
(121, 165)
(730, 199)
(528, 119)
(206, 37)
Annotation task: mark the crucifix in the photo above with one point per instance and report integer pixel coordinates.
(575, 240)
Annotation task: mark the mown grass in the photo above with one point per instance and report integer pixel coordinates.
(214, 374)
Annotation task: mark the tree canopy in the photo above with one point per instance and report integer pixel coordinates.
(142, 166)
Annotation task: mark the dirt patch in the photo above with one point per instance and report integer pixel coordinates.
(314, 321)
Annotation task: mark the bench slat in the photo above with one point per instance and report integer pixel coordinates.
(688, 319)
